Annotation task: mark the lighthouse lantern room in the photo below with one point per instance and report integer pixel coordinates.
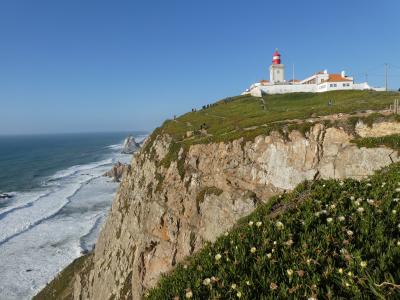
(277, 70)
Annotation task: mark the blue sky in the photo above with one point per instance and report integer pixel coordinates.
(81, 66)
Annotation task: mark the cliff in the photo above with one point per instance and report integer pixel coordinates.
(176, 197)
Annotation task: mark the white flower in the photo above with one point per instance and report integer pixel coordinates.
(368, 184)
(324, 211)
(357, 202)
(350, 274)
(259, 223)
(347, 284)
(274, 242)
(189, 294)
(352, 198)
(341, 218)
(340, 271)
(239, 294)
(370, 201)
(279, 225)
(218, 257)
(185, 267)
(329, 220)
(398, 225)
(394, 211)
(226, 233)
(233, 286)
(248, 282)
(251, 223)
(253, 249)
(349, 232)
(360, 209)
(324, 185)
(397, 189)
(398, 243)
(396, 199)
(289, 272)
(317, 214)
(341, 183)
(207, 281)
(312, 298)
(363, 264)
(269, 255)
(333, 206)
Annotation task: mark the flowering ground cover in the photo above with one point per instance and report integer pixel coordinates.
(327, 239)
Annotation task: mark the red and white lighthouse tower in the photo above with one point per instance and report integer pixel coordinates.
(277, 69)
(276, 58)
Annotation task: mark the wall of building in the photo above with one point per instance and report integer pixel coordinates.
(313, 88)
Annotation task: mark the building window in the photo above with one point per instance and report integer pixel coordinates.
(335, 85)
(331, 85)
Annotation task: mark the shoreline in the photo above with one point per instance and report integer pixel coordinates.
(55, 227)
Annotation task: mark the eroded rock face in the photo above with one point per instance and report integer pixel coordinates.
(130, 146)
(117, 171)
(158, 217)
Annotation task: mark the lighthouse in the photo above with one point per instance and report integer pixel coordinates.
(277, 69)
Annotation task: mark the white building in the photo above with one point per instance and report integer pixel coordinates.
(316, 83)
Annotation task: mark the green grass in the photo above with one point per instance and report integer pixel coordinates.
(246, 111)
(327, 240)
(243, 118)
(391, 141)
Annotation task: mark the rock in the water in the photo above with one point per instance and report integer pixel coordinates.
(5, 196)
(130, 145)
(117, 171)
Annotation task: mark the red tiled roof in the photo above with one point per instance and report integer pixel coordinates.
(336, 78)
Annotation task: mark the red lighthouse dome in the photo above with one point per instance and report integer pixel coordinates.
(276, 58)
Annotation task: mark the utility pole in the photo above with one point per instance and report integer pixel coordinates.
(293, 75)
(386, 77)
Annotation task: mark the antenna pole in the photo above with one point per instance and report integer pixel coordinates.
(386, 77)
(293, 75)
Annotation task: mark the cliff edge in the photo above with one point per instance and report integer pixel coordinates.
(186, 187)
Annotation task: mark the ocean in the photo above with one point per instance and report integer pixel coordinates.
(59, 202)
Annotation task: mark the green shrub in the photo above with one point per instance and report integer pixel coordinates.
(327, 239)
(391, 141)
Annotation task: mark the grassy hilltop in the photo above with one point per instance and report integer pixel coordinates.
(247, 117)
(325, 240)
(230, 117)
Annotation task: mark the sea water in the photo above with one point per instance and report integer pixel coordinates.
(59, 201)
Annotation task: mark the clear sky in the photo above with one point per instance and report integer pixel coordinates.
(92, 65)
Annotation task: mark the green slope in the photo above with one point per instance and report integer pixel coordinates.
(238, 113)
(325, 240)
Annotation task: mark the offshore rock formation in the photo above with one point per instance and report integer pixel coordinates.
(117, 171)
(130, 146)
(161, 215)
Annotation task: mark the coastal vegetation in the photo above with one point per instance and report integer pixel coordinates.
(327, 239)
(246, 117)
(390, 141)
(234, 116)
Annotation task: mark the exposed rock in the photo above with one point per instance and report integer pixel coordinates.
(130, 146)
(117, 171)
(377, 129)
(158, 217)
(6, 196)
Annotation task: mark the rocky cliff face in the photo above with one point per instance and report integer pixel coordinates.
(161, 215)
